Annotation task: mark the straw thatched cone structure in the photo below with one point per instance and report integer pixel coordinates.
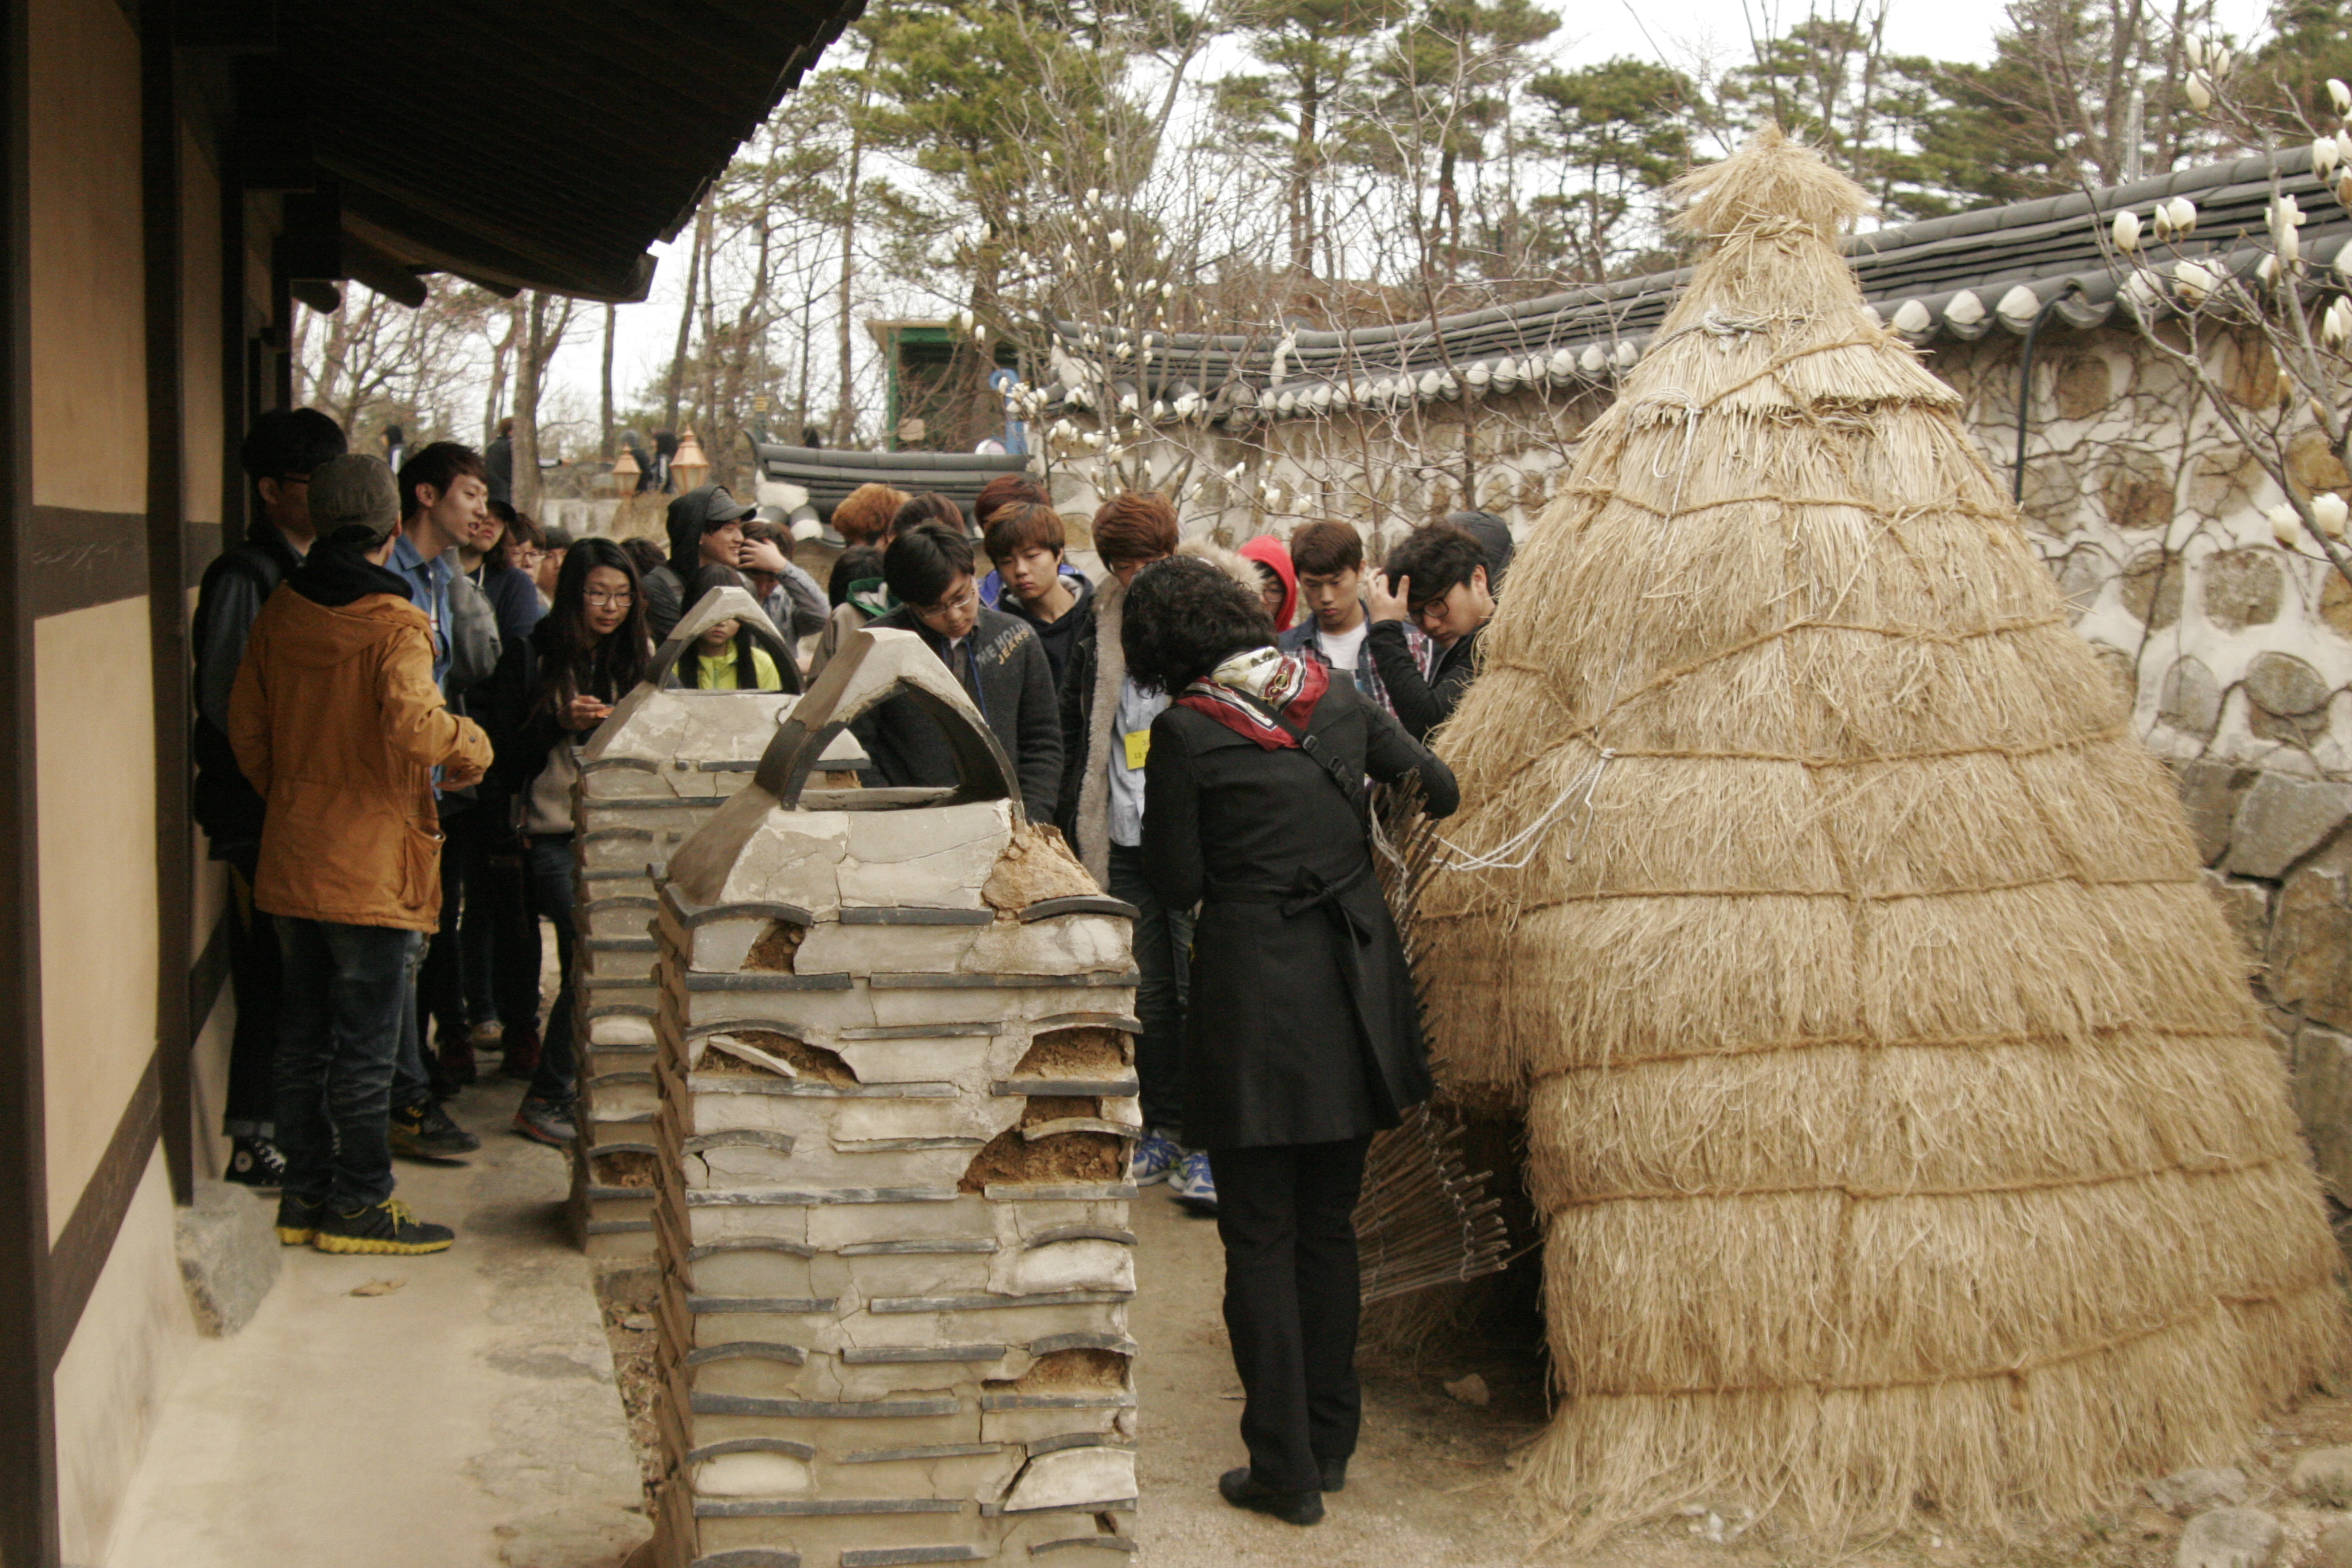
(1902, 1123)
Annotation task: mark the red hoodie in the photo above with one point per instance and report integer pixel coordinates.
(1269, 552)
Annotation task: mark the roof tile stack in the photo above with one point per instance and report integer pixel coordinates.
(896, 1096)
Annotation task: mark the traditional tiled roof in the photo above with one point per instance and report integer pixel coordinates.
(521, 145)
(1959, 277)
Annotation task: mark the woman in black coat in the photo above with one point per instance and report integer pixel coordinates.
(1303, 1037)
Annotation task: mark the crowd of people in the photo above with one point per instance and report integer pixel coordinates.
(394, 673)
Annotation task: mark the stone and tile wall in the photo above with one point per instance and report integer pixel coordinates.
(2237, 655)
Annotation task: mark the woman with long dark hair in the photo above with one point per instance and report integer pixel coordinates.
(1301, 1035)
(586, 656)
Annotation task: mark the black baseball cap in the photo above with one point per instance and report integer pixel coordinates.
(709, 506)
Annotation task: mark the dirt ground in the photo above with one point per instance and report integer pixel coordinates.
(1431, 1484)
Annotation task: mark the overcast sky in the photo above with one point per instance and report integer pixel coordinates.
(1679, 31)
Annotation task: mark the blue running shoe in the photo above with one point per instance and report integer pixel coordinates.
(1192, 1184)
(1155, 1159)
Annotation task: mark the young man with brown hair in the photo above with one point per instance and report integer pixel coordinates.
(866, 519)
(1023, 539)
(337, 720)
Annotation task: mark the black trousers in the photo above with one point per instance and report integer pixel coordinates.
(254, 977)
(1287, 1215)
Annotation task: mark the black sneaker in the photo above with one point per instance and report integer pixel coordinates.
(1243, 1489)
(387, 1226)
(545, 1121)
(298, 1221)
(1335, 1474)
(426, 1132)
(255, 1163)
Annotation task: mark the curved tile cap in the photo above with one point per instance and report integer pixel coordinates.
(1962, 275)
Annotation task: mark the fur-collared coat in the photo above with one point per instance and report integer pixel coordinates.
(1091, 687)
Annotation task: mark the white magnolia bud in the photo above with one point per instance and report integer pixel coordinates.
(2336, 323)
(2340, 96)
(2285, 527)
(2194, 280)
(2267, 268)
(1119, 239)
(2220, 61)
(2126, 231)
(2201, 92)
(1090, 195)
(2192, 49)
(2183, 213)
(2329, 512)
(2290, 246)
(2324, 157)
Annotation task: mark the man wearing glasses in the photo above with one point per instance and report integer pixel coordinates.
(994, 657)
(279, 453)
(1437, 576)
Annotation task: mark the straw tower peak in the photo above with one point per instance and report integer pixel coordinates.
(1771, 184)
(1901, 1120)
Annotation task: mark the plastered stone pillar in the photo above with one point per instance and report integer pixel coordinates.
(895, 1097)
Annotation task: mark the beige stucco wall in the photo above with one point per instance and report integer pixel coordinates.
(94, 693)
(134, 1339)
(97, 767)
(88, 348)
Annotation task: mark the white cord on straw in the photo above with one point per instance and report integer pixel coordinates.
(1531, 837)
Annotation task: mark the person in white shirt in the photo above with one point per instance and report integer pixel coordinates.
(1329, 559)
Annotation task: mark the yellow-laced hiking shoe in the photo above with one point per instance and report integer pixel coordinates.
(387, 1226)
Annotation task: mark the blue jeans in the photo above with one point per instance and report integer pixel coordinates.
(338, 1030)
(547, 867)
(412, 1083)
(1163, 953)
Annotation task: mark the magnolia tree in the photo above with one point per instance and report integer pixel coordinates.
(2261, 292)
(1142, 289)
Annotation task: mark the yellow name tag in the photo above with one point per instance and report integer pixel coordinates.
(1138, 745)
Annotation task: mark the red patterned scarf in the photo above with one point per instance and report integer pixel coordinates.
(1287, 683)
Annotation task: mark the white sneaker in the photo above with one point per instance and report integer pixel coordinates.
(1192, 1184)
(1155, 1159)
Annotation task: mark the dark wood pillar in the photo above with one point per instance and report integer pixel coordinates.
(29, 1461)
(167, 577)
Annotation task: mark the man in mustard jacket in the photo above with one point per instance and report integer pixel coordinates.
(337, 721)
